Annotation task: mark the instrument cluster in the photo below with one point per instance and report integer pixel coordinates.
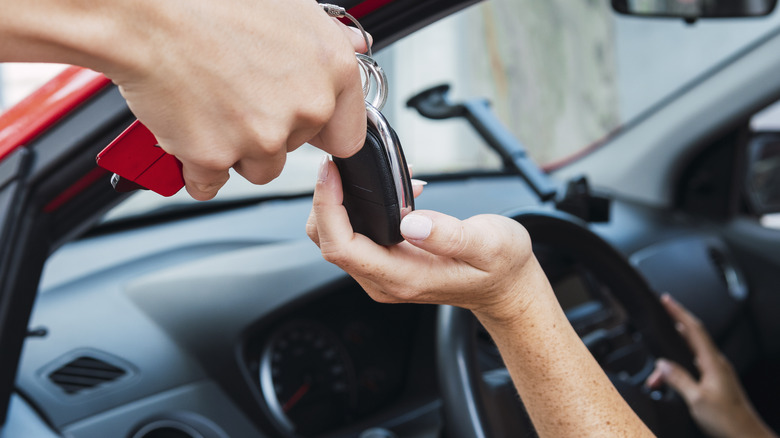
(337, 360)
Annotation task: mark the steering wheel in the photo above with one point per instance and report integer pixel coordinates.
(473, 402)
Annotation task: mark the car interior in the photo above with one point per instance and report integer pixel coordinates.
(137, 316)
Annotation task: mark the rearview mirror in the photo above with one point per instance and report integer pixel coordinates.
(694, 9)
(763, 172)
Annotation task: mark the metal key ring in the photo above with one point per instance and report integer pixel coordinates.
(370, 69)
(365, 79)
(339, 12)
(374, 74)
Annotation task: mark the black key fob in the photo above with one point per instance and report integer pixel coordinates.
(377, 186)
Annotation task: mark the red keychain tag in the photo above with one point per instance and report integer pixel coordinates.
(135, 156)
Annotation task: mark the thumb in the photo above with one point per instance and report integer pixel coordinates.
(678, 378)
(473, 240)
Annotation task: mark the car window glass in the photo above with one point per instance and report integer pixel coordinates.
(561, 75)
(17, 80)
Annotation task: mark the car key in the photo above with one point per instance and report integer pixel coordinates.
(376, 183)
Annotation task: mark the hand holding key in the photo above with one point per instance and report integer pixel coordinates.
(378, 191)
(249, 100)
(231, 83)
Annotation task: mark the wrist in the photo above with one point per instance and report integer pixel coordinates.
(528, 294)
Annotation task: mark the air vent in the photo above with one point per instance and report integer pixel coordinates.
(85, 373)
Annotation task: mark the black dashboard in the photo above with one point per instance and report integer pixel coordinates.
(243, 330)
(341, 360)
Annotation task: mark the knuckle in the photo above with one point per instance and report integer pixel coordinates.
(200, 195)
(214, 161)
(266, 173)
(318, 111)
(204, 189)
(267, 141)
(493, 249)
(206, 186)
(343, 61)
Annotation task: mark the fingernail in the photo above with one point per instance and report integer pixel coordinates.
(663, 366)
(416, 227)
(322, 175)
(418, 182)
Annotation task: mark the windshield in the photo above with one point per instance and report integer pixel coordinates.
(561, 75)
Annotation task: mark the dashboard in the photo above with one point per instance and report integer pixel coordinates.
(341, 359)
(243, 330)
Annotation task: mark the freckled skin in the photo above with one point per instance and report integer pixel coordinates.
(550, 365)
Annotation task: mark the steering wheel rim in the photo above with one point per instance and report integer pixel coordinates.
(464, 414)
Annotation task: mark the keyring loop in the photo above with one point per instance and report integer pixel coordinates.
(373, 72)
(365, 78)
(339, 12)
(369, 68)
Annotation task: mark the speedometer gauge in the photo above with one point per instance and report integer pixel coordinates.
(307, 379)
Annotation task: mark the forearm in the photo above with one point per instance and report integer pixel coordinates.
(104, 36)
(563, 388)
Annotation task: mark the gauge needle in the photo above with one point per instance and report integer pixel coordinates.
(296, 397)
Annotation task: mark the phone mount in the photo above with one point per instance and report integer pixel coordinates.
(577, 198)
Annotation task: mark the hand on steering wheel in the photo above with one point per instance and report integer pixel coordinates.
(716, 400)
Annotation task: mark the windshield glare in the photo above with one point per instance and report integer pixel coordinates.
(561, 76)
